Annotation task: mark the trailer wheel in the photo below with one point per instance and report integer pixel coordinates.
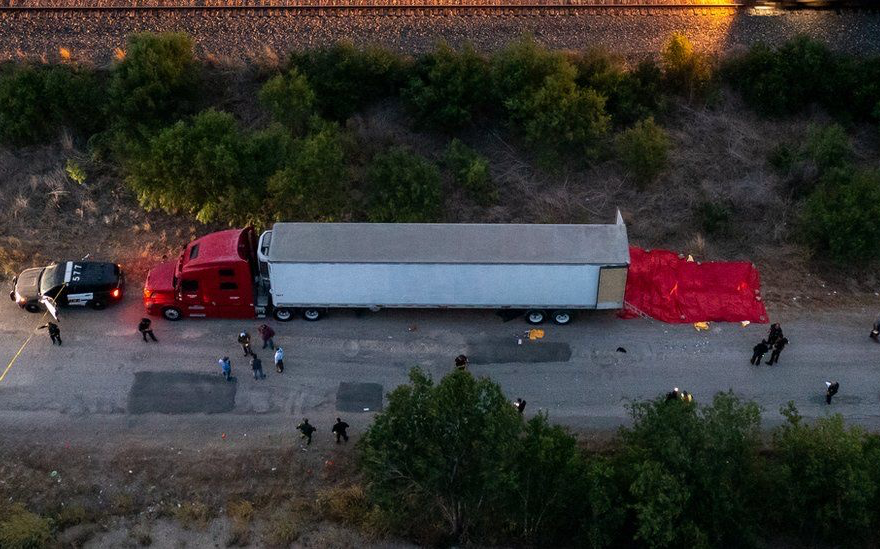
(283, 314)
(561, 317)
(311, 314)
(535, 316)
(171, 313)
(32, 308)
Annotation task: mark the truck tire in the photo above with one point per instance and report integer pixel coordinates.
(283, 314)
(32, 308)
(97, 304)
(171, 313)
(312, 314)
(561, 317)
(535, 316)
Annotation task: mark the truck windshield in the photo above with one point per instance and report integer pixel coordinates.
(52, 277)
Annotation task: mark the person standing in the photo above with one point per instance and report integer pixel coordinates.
(144, 327)
(461, 362)
(257, 367)
(875, 330)
(244, 339)
(774, 334)
(673, 395)
(279, 360)
(831, 388)
(520, 405)
(54, 332)
(306, 429)
(759, 351)
(266, 334)
(226, 368)
(339, 429)
(777, 350)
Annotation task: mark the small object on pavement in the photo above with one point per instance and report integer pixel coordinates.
(535, 333)
(701, 326)
(621, 350)
(745, 323)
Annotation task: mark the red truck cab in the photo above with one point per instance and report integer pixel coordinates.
(215, 276)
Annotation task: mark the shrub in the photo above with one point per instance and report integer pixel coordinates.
(346, 79)
(521, 68)
(685, 71)
(157, 82)
(21, 529)
(282, 529)
(192, 514)
(630, 95)
(824, 479)
(449, 87)
(35, 102)
(841, 217)
(783, 158)
(313, 186)
(75, 171)
(714, 218)
(828, 147)
(402, 187)
(644, 150)
(471, 172)
(289, 98)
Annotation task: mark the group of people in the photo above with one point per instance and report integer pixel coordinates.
(676, 394)
(244, 339)
(340, 429)
(775, 340)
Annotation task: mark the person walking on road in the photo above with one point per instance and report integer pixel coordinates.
(777, 350)
(144, 327)
(226, 368)
(339, 429)
(54, 332)
(831, 388)
(306, 429)
(520, 405)
(257, 367)
(759, 351)
(244, 339)
(774, 334)
(461, 362)
(279, 360)
(875, 330)
(266, 334)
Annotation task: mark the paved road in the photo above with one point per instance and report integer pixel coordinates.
(105, 383)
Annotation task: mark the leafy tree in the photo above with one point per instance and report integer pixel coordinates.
(842, 216)
(448, 87)
(824, 479)
(685, 71)
(441, 451)
(157, 82)
(346, 79)
(521, 68)
(290, 99)
(314, 184)
(35, 102)
(403, 187)
(644, 150)
(630, 95)
(471, 172)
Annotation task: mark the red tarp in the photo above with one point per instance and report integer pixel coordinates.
(664, 286)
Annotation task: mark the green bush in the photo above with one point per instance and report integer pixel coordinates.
(449, 87)
(158, 82)
(644, 150)
(21, 529)
(521, 68)
(75, 171)
(783, 158)
(841, 217)
(346, 79)
(403, 187)
(36, 102)
(209, 168)
(471, 172)
(290, 99)
(714, 218)
(314, 184)
(828, 147)
(824, 479)
(630, 95)
(685, 71)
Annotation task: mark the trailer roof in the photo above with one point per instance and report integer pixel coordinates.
(449, 243)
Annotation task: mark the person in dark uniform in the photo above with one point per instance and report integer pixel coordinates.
(145, 329)
(777, 350)
(244, 339)
(54, 332)
(306, 429)
(520, 405)
(673, 394)
(461, 362)
(759, 351)
(774, 334)
(339, 429)
(831, 389)
(257, 367)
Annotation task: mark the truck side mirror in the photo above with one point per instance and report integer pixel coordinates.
(50, 305)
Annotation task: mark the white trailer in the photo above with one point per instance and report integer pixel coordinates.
(544, 270)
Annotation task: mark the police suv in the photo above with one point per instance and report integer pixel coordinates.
(86, 283)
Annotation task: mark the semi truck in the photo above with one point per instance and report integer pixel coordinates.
(307, 269)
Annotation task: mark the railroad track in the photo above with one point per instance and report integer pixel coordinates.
(571, 7)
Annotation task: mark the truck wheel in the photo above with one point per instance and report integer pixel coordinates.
(97, 305)
(171, 313)
(561, 317)
(282, 313)
(311, 314)
(32, 308)
(535, 316)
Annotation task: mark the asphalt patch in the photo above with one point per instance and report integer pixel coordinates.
(359, 397)
(180, 393)
(508, 350)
